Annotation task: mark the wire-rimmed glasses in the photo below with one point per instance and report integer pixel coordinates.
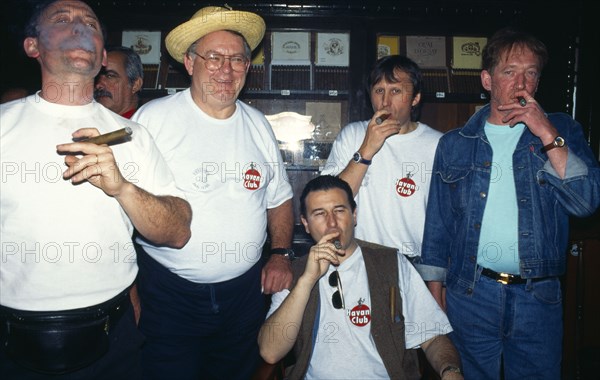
(214, 61)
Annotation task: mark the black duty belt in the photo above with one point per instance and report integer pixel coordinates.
(56, 342)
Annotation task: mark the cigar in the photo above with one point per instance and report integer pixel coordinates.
(338, 244)
(382, 118)
(120, 135)
(522, 101)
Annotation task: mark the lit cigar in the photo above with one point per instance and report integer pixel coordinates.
(382, 118)
(337, 244)
(522, 101)
(112, 137)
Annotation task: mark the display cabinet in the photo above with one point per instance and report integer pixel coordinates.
(287, 74)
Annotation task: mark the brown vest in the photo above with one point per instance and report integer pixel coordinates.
(382, 272)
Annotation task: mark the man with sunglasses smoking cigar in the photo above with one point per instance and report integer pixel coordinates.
(370, 327)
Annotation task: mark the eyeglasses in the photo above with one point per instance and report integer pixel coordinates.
(338, 297)
(214, 61)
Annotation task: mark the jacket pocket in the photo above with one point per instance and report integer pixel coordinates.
(458, 181)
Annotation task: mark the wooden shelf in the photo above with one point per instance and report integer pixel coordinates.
(296, 94)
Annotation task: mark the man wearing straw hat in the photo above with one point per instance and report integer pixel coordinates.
(202, 305)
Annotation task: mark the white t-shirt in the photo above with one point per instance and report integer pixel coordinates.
(393, 194)
(66, 246)
(344, 347)
(231, 172)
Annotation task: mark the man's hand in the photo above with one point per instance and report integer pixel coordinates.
(321, 255)
(377, 134)
(93, 163)
(276, 274)
(438, 291)
(375, 137)
(530, 114)
(533, 116)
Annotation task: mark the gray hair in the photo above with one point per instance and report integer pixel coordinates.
(133, 62)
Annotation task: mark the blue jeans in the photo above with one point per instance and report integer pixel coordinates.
(519, 325)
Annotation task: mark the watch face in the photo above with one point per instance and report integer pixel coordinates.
(559, 142)
(356, 157)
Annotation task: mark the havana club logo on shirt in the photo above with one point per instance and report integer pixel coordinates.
(360, 315)
(251, 178)
(405, 187)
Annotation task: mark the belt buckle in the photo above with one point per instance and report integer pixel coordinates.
(504, 278)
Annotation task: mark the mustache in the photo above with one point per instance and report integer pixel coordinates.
(102, 94)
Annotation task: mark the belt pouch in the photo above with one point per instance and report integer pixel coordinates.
(56, 345)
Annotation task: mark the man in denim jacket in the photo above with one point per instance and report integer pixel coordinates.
(497, 221)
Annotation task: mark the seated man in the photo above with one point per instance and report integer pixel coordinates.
(371, 327)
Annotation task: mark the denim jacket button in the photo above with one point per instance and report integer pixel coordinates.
(483, 194)
(477, 226)
(469, 291)
(487, 164)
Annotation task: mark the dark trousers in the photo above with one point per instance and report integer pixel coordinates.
(199, 331)
(121, 362)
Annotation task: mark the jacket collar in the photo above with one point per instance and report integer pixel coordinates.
(474, 126)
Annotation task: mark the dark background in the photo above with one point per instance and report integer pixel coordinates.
(570, 83)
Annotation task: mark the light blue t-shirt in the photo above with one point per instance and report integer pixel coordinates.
(498, 247)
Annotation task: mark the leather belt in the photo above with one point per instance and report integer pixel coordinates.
(114, 308)
(58, 342)
(505, 278)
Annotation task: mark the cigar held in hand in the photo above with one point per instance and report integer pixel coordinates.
(120, 135)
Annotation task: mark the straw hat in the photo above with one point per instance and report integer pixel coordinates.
(211, 19)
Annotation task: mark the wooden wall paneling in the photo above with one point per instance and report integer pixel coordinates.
(581, 339)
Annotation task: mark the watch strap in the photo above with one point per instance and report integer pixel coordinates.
(558, 142)
(358, 158)
(287, 252)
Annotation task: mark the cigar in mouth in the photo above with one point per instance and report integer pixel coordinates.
(117, 136)
(382, 118)
(338, 244)
(522, 101)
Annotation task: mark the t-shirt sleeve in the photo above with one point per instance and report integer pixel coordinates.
(345, 144)
(423, 318)
(276, 301)
(158, 179)
(279, 189)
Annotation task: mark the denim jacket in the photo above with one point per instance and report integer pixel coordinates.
(458, 194)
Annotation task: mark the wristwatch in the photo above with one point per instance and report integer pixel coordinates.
(286, 252)
(558, 142)
(359, 160)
